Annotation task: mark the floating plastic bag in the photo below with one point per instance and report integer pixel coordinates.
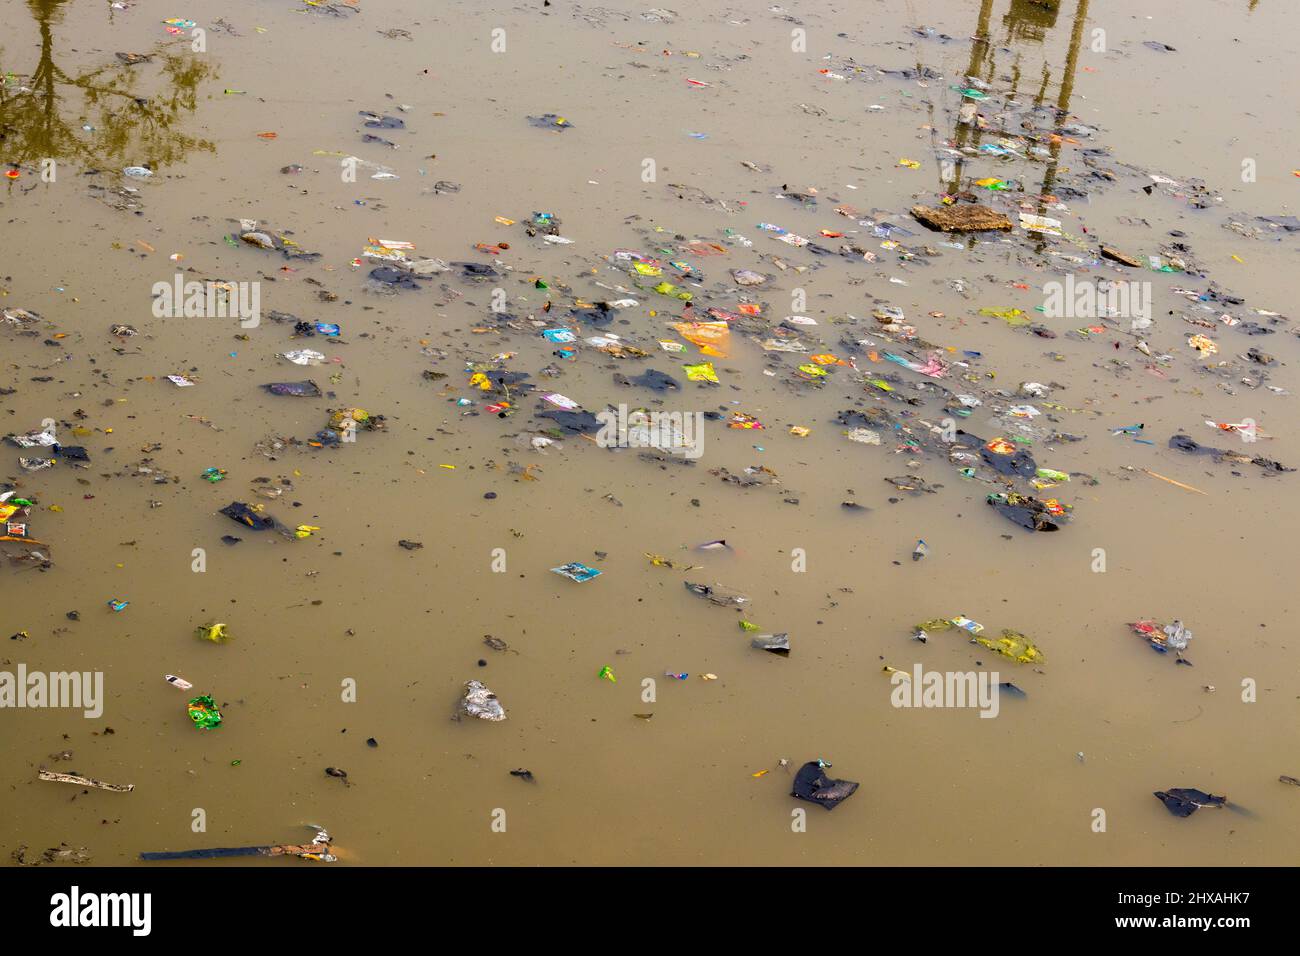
(703, 372)
(481, 703)
(1013, 645)
(713, 338)
(203, 711)
(812, 784)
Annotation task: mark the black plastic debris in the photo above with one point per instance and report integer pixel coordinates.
(1190, 445)
(1028, 512)
(773, 643)
(1185, 443)
(1184, 802)
(305, 389)
(475, 270)
(245, 515)
(503, 380)
(597, 316)
(393, 278)
(1019, 463)
(656, 381)
(573, 421)
(812, 784)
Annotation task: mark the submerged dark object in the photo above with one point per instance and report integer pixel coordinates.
(1185, 443)
(523, 774)
(318, 849)
(305, 389)
(573, 421)
(773, 643)
(655, 380)
(376, 121)
(1019, 462)
(393, 277)
(475, 269)
(1183, 802)
(1289, 223)
(549, 121)
(812, 784)
(1191, 446)
(961, 218)
(718, 594)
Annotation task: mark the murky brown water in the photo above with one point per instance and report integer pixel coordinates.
(938, 786)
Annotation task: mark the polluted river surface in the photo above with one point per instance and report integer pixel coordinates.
(509, 201)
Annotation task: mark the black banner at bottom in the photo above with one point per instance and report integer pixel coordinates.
(212, 904)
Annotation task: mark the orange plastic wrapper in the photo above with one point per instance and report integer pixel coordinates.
(713, 338)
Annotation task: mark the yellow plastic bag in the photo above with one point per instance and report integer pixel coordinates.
(216, 633)
(702, 372)
(1014, 645)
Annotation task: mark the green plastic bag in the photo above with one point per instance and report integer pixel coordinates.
(203, 711)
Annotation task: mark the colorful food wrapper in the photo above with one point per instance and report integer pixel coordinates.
(576, 571)
(203, 711)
